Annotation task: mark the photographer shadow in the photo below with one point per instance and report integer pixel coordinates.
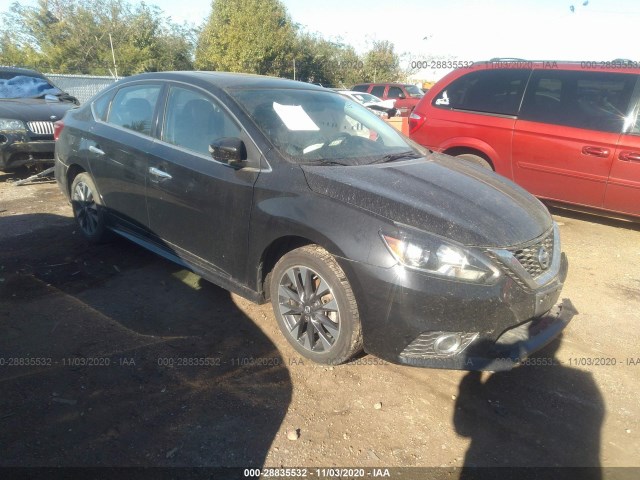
(540, 414)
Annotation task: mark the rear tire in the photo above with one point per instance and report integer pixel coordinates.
(315, 307)
(475, 159)
(87, 209)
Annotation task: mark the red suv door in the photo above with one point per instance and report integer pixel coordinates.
(567, 131)
(623, 189)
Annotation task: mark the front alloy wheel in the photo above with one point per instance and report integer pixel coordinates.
(309, 309)
(315, 307)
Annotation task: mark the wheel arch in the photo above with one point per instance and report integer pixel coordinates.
(460, 145)
(279, 247)
(455, 151)
(72, 172)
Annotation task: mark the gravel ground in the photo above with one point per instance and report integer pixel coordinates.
(111, 333)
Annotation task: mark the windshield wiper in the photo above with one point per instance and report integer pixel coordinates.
(325, 162)
(396, 156)
(62, 96)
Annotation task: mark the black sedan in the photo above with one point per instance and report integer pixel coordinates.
(283, 191)
(29, 105)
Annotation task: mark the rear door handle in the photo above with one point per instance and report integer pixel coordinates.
(160, 174)
(96, 150)
(628, 156)
(595, 151)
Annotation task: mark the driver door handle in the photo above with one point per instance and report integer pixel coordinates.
(96, 150)
(629, 156)
(160, 174)
(595, 151)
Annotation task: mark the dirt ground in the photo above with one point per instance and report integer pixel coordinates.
(111, 356)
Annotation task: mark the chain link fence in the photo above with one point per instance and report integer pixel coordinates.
(83, 87)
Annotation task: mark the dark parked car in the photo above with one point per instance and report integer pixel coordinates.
(29, 105)
(283, 191)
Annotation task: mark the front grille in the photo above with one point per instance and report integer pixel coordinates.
(41, 128)
(529, 256)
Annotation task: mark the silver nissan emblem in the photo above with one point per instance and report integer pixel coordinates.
(52, 117)
(543, 258)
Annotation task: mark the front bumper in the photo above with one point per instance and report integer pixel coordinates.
(18, 149)
(404, 313)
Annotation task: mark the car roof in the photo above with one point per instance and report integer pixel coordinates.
(617, 66)
(384, 83)
(353, 92)
(20, 71)
(227, 80)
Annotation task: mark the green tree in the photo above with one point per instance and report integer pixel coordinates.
(381, 63)
(253, 36)
(73, 36)
(331, 64)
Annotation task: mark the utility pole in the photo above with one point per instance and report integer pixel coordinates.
(113, 55)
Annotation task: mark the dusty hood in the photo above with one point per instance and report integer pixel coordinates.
(440, 195)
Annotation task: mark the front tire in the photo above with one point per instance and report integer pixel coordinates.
(476, 159)
(315, 307)
(87, 208)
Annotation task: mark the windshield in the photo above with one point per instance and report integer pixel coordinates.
(414, 91)
(25, 86)
(315, 127)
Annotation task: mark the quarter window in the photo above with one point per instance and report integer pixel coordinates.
(194, 121)
(589, 100)
(487, 91)
(101, 106)
(133, 107)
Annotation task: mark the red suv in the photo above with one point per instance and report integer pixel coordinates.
(567, 132)
(406, 96)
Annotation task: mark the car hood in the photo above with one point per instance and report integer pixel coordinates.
(33, 109)
(438, 194)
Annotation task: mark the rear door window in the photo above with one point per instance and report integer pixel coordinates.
(487, 91)
(394, 92)
(133, 107)
(378, 91)
(580, 99)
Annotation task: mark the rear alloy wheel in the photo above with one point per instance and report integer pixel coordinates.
(315, 306)
(471, 158)
(87, 209)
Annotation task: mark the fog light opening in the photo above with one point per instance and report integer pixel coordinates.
(448, 343)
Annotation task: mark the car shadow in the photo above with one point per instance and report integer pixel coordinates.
(541, 414)
(125, 359)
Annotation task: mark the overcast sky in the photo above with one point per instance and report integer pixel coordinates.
(467, 30)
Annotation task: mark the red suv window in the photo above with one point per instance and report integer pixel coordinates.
(490, 91)
(394, 92)
(591, 100)
(378, 91)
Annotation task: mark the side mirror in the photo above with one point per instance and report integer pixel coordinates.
(402, 95)
(230, 150)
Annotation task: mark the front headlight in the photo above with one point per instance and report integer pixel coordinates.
(438, 257)
(13, 125)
